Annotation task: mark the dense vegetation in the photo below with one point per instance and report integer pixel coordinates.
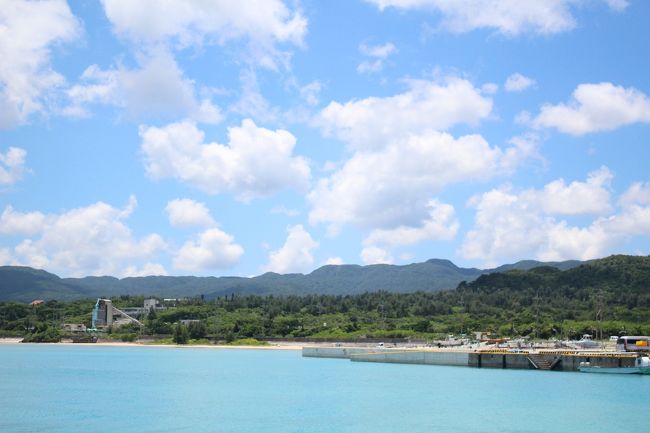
(605, 297)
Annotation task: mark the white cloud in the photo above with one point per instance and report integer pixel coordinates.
(375, 255)
(213, 250)
(146, 270)
(90, 240)
(184, 212)
(19, 223)
(441, 224)
(263, 23)
(511, 17)
(296, 255)
(524, 147)
(518, 83)
(637, 193)
(251, 102)
(28, 31)
(376, 121)
(334, 261)
(377, 52)
(577, 198)
(157, 88)
(102, 90)
(617, 5)
(393, 187)
(511, 226)
(310, 92)
(596, 107)
(12, 165)
(255, 162)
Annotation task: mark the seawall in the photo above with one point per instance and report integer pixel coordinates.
(546, 360)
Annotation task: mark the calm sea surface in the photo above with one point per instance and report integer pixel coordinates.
(50, 388)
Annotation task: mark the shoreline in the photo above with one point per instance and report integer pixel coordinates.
(291, 345)
(271, 346)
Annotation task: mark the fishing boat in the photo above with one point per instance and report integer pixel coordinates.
(641, 366)
(586, 342)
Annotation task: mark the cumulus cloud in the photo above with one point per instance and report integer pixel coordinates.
(213, 249)
(637, 193)
(334, 261)
(157, 88)
(21, 223)
(377, 121)
(617, 5)
(12, 165)
(375, 255)
(251, 102)
(92, 240)
(576, 198)
(255, 162)
(296, 255)
(378, 54)
(440, 224)
(263, 23)
(518, 83)
(594, 108)
(510, 17)
(26, 74)
(393, 187)
(146, 270)
(184, 212)
(510, 225)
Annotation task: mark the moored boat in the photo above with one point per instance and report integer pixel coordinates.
(586, 342)
(641, 366)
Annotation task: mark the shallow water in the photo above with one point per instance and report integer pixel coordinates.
(51, 388)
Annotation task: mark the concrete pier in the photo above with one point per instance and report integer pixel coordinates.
(539, 360)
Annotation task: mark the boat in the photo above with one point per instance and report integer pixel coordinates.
(584, 343)
(641, 366)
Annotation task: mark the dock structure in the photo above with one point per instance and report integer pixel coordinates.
(537, 360)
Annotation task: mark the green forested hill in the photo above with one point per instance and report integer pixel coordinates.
(603, 297)
(611, 293)
(25, 284)
(620, 277)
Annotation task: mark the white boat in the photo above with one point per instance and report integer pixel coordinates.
(641, 366)
(586, 342)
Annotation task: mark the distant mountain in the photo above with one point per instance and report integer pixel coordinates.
(25, 284)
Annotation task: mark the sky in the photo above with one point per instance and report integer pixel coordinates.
(169, 137)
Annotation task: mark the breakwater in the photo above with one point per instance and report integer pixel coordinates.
(539, 360)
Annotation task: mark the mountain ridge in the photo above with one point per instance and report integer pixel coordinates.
(20, 283)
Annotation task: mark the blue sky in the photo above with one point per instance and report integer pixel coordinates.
(235, 138)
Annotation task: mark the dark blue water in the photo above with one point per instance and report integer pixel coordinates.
(51, 388)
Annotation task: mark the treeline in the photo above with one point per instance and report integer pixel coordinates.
(606, 297)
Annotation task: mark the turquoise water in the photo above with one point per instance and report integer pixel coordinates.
(50, 388)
